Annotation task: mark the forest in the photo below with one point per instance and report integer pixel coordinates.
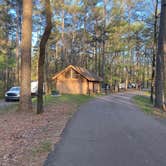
(121, 41)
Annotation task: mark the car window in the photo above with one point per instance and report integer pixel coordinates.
(15, 89)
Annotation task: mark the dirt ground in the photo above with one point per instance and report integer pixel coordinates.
(27, 138)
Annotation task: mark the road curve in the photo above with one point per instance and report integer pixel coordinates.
(111, 131)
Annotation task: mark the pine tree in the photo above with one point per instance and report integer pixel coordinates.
(25, 98)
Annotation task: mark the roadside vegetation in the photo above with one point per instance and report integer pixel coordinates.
(143, 102)
(70, 99)
(48, 99)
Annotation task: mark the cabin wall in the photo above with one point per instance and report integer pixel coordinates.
(94, 87)
(72, 82)
(71, 85)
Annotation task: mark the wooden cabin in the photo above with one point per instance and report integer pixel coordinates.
(77, 80)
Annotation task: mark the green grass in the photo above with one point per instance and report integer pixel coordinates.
(66, 98)
(144, 103)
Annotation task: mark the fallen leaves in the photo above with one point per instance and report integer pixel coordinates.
(22, 134)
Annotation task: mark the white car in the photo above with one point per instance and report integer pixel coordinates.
(122, 86)
(133, 85)
(13, 94)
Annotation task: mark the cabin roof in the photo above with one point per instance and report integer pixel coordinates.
(82, 71)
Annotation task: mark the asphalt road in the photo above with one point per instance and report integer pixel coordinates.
(111, 131)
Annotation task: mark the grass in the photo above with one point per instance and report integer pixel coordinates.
(45, 146)
(144, 103)
(66, 98)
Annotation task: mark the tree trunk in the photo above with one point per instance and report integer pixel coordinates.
(103, 41)
(25, 98)
(43, 43)
(154, 52)
(103, 60)
(62, 38)
(46, 74)
(160, 72)
(164, 56)
(18, 39)
(17, 58)
(96, 59)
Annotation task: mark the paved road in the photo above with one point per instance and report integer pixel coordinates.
(111, 131)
